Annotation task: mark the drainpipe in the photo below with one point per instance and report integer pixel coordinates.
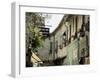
(78, 39)
(54, 48)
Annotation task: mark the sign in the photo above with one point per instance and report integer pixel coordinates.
(45, 31)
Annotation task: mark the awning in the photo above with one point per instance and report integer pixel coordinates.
(35, 58)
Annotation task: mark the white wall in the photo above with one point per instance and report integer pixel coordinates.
(5, 39)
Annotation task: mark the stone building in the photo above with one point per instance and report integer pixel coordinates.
(69, 41)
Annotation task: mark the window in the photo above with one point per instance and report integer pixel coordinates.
(50, 47)
(88, 25)
(76, 26)
(61, 43)
(69, 34)
(56, 47)
(73, 23)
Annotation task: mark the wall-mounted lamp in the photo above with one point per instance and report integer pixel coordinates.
(78, 35)
(64, 38)
(64, 35)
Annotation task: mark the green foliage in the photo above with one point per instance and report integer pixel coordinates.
(34, 37)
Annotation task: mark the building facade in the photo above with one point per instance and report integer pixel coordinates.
(69, 42)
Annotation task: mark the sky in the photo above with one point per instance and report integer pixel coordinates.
(53, 21)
